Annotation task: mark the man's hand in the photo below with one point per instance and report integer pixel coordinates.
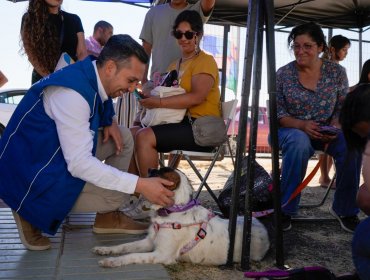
(153, 190)
(114, 132)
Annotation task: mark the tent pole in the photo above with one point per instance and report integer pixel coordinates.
(271, 68)
(224, 61)
(248, 59)
(256, 87)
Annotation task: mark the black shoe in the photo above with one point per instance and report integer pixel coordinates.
(349, 223)
(286, 222)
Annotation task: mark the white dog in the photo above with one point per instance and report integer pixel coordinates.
(185, 232)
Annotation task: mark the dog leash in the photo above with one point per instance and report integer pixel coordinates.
(297, 191)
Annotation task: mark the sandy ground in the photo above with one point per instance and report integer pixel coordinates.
(308, 243)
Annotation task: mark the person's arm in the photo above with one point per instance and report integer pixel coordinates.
(71, 114)
(81, 51)
(3, 79)
(207, 6)
(148, 49)
(201, 85)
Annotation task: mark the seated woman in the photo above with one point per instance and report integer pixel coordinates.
(355, 121)
(198, 75)
(310, 92)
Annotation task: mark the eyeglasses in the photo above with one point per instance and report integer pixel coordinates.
(188, 34)
(304, 47)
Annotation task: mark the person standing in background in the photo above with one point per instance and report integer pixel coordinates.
(47, 32)
(158, 41)
(337, 51)
(102, 32)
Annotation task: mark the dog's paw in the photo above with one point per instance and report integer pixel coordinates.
(110, 262)
(103, 251)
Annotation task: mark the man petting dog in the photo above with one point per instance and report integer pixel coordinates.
(52, 151)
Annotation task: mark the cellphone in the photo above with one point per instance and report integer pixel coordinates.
(138, 95)
(329, 130)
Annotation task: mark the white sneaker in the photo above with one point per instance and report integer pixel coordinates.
(138, 210)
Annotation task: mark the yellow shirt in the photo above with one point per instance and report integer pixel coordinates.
(202, 63)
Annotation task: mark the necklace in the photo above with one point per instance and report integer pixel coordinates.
(190, 57)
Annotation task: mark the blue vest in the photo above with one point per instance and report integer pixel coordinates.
(35, 180)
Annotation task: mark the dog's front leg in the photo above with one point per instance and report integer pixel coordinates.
(138, 258)
(144, 245)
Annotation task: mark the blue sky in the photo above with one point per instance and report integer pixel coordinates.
(125, 19)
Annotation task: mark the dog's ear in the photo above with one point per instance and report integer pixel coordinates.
(172, 176)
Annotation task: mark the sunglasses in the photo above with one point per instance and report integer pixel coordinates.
(188, 34)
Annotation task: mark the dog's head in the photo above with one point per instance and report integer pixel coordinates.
(181, 185)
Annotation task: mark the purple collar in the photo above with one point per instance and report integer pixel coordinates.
(177, 208)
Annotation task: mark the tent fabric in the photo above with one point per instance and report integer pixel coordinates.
(344, 14)
(328, 13)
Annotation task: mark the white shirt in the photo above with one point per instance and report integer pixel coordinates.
(71, 113)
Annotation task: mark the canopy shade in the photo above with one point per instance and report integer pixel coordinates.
(328, 13)
(345, 14)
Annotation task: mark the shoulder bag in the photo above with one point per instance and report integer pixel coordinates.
(208, 131)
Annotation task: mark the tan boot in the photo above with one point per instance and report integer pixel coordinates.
(30, 236)
(117, 222)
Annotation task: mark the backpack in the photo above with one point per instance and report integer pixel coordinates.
(261, 197)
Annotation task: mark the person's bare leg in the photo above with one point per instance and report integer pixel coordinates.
(145, 150)
(326, 163)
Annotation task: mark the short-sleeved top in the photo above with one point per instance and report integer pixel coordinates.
(157, 30)
(72, 25)
(321, 105)
(206, 64)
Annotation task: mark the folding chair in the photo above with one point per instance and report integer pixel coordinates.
(228, 112)
(328, 188)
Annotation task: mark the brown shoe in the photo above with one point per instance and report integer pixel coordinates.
(117, 222)
(30, 236)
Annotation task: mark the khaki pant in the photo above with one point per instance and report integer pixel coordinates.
(96, 199)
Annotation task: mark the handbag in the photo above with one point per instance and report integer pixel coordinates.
(208, 131)
(156, 116)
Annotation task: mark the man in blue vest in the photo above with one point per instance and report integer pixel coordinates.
(63, 151)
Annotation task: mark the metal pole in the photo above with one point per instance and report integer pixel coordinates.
(248, 59)
(224, 61)
(257, 69)
(271, 78)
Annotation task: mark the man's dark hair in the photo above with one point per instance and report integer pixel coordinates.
(103, 25)
(120, 48)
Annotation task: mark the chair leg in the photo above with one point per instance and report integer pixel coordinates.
(204, 179)
(230, 151)
(323, 199)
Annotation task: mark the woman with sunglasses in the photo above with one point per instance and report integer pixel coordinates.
(198, 75)
(310, 92)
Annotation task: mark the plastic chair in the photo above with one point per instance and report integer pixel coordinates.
(228, 112)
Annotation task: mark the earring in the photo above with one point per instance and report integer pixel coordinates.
(197, 49)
